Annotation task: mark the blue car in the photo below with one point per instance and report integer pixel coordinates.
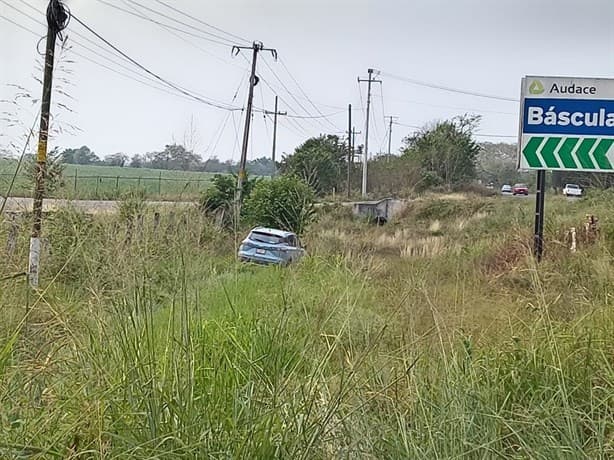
(269, 246)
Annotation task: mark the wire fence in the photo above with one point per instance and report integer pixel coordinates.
(106, 187)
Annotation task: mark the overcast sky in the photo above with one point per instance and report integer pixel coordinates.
(474, 45)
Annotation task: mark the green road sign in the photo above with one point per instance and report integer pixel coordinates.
(567, 124)
(591, 154)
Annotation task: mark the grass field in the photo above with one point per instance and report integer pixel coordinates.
(109, 182)
(435, 336)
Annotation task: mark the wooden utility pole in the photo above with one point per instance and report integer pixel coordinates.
(56, 21)
(253, 81)
(275, 114)
(365, 158)
(350, 151)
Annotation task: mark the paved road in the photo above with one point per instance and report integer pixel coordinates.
(88, 206)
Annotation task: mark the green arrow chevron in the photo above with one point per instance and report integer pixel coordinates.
(530, 152)
(601, 151)
(547, 152)
(557, 153)
(584, 153)
(565, 153)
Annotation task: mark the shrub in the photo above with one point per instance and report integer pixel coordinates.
(285, 202)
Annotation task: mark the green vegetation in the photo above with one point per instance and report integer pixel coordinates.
(434, 336)
(111, 182)
(284, 202)
(321, 162)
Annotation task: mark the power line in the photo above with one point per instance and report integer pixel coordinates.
(448, 88)
(184, 39)
(183, 13)
(144, 82)
(291, 118)
(285, 87)
(153, 74)
(73, 32)
(305, 94)
(222, 127)
(511, 136)
(217, 40)
(478, 111)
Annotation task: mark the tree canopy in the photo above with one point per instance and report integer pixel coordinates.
(319, 162)
(445, 152)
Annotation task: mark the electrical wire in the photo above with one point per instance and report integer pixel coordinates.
(136, 77)
(189, 42)
(305, 94)
(72, 32)
(300, 104)
(448, 88)
(144, 81)
(183, 13)
(154, 21)
(188, 93)
(166, 16)
(510, 136)
(222, 127)
(478, 111)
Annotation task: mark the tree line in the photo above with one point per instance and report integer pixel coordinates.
(172, 157)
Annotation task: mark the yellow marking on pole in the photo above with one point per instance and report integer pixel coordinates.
(42, 151)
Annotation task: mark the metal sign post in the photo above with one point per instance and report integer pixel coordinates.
(566, 124)
(540, 196)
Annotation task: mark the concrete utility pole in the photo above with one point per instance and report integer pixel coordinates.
(350, 151)
(253, 81)
(354, 132)
(390, 137)
(56, 21)
(365, 158)
(275, 114)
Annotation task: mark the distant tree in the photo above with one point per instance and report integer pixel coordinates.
(445, 152)
(319, 162)
(138, 161)
(81, 156)
(214, 165)
(260, 166)
(117, 159)
(285, 202)
(497, 163)
(175, 156)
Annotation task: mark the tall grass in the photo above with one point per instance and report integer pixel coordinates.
(160, 346)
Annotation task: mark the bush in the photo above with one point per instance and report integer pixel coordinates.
(221, 196)
(285, 202)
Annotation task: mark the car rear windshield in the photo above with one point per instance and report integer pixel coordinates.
(520, 186)
(262, 237)
(572, 186)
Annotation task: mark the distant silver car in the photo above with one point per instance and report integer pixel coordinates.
(269, 246)
(506, 189)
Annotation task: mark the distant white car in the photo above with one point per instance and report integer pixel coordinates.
(572, 190)
(506, 189)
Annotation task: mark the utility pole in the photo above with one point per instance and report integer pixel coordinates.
(253, 81)
(365, 158)
(354, 132)
(56, 22)
(390, 137)
(350, 151)
(275, 114)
